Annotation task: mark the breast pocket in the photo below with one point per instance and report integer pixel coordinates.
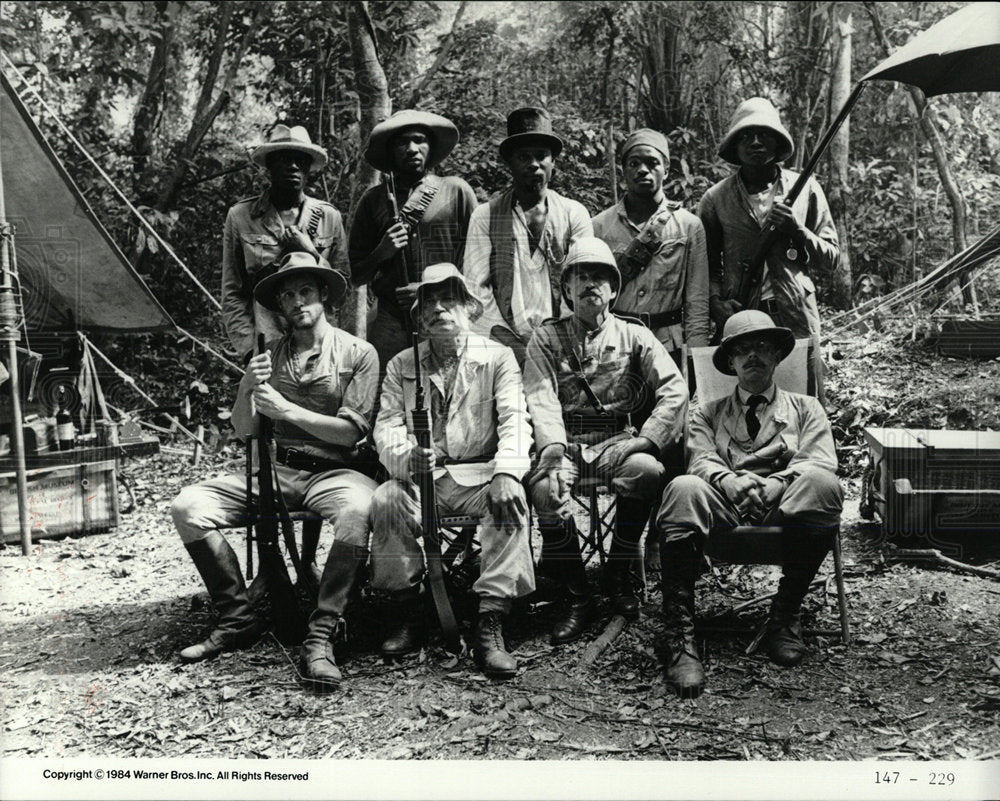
(670, 266)
(259, 250)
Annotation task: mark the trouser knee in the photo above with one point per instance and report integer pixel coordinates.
(640, 476)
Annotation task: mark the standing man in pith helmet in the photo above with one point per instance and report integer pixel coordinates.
(434, 213)
(737, 209)
(260, 230)
(518, 241)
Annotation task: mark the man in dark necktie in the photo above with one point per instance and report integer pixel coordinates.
(759, 455)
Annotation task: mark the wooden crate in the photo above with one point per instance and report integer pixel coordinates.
(63, 499)
(931, 487)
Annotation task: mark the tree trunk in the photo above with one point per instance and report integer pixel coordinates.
(609, 56)
(840, 89)
(147, 115)
(373, 93)
(660, 58)
(926, 118)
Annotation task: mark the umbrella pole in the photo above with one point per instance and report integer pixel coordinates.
(10, 331)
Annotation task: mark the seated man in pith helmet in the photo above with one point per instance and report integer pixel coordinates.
(317, 384)
(480, 441)
(759, 455)
(606, 401)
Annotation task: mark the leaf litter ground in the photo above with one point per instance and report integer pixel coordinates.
(91, 627)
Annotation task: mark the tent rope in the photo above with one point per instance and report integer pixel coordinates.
(146, 224)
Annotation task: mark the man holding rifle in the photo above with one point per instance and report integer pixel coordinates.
(738, 210)
(480, 440)
(317, 385)
(431, 211)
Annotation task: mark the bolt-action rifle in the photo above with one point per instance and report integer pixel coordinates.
(425, 479)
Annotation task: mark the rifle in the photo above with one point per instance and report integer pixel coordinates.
(752, 268)
(289, 620)
(425, 480)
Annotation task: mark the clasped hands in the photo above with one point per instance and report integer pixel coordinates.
(266, 399)
(751, 494)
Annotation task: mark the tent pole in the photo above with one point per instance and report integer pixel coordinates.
(10, 331)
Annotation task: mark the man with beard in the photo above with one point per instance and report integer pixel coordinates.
(518, 241)
(606, 401)
(737, 209)
(317, 384)
(435, 213)
(260, 230)
(659, 247)
(480, 439)
(759, 455)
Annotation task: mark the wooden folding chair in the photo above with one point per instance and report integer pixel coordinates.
(761, 544)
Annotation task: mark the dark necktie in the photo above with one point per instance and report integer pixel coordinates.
(753, 423)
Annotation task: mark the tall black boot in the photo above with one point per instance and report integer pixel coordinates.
(311, 574)
(562, 543)
(407, 624)
(326, 624)
(238, 626)
(804, 554)
(680, 565)
(631, 516)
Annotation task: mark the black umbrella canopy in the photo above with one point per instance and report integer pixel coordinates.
(961, 53)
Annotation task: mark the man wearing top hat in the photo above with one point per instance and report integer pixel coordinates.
(518, 241)
(481, 438)
(659, 248)
(759, 455)
(435, 217)
(737, 209)
(317, 384)
(606, 401)
(260, 230)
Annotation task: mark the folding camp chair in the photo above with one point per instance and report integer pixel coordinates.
(761, 544)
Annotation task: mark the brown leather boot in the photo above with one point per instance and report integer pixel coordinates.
(238, 626)
(562, 544)
(684, 671)
(489, 649)
(326, 624)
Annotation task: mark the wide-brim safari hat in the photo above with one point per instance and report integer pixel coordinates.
(444, 273)
(750, 323)
(295, 264)
(442, 131)
(593, 251)
(529, 125)
(294, 138)
(757, 112)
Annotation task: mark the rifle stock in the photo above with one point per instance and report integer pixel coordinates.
(425, 480)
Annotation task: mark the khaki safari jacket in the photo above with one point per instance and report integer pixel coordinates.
(250, 244)
(487, 427)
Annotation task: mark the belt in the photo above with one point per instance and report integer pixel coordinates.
(769, 307)
(659, 319)
(300, 460)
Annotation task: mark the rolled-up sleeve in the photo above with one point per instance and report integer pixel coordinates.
(392, 438)
(358, 402)
(541, 388)
(666, 422)
(514, 438)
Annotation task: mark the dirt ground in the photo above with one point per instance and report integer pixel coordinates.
(91, 626)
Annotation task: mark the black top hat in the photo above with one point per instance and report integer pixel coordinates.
(528, 124)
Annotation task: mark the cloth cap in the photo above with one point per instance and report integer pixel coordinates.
(294, 264)
(442, 131)
(757, 112)
(647, 136)
(594, 251)
(294, 138)
(527, 125)
(750, 323)
(444, 273)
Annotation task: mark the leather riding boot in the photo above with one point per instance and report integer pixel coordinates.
(311, 574)
(407, 625)
(326, 624)
(238, 626)
(567, 564)
(783, 634)
(489, 649)
(684, 671)
(631, 516)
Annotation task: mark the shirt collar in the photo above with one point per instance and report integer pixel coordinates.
(623, 213)
(744, 396)
(593, 332)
